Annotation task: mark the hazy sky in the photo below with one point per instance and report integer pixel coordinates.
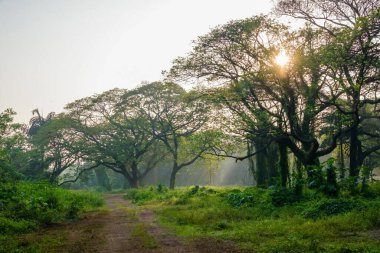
(55, 51)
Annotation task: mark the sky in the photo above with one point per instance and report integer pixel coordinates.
(53, 52)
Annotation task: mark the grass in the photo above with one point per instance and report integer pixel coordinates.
(27, 207)
(32, 243)
(141, 234)
(259, 221)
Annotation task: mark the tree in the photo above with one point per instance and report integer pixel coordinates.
(275, 103)
(37, 164)
(12, 144)
(352, 57)
(177, 118)
(36, 122)
(61, 149)
(114, 136)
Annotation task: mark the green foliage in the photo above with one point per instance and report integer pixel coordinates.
(283, 196)
(25, 206)
(161, 188)
(328, 207)
(161, 192)
(323, 178)
(9, 226)
(194, 190)
(32, 243)
(374, 189)
(313, 223)
(140, 232)
(236, 198)
(138, 196)
(12, 140)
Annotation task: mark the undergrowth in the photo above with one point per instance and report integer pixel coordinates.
(269, 220)
(25, 207)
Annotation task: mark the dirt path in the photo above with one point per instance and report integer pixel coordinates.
(128, 230)
(125, 228)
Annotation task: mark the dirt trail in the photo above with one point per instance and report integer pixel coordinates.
(121, 236)
(125, 228)
(117, 226)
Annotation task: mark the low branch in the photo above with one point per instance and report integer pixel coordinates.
(78, 176)
(240, 158)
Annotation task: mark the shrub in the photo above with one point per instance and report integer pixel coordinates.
(237, 198)
(328, 207)
(193, 190)
(9, 226)
(281, 197)
(161, 188)
(141, 195)
(25, 206)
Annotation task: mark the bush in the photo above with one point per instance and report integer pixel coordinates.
(194, 190)
(9, 226)
(237, 199)
(161, 188)
(281, 197)
(140, 196)
(179, 196)
(25, 206)
(328, 207)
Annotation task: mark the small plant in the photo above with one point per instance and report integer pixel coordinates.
(73, 211)
(194, 190)
(238, 199)
(161, 188)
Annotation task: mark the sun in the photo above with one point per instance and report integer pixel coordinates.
(282, 58)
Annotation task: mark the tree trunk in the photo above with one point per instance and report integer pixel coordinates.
(261, 169)
(284, 164)
(134, 181)
(130, 183)
(251, 162)
(172, 177)
(102, 178)
(354, 150)
(272, 164)
(341, 159)
(298, 185)
(299, 168)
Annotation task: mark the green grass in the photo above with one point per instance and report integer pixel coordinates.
(260, 221)
(26, 207)
(141, 234)
(32, 243)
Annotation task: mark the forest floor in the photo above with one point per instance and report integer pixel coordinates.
(123, 228)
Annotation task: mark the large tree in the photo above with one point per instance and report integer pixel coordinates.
(61, 150)
(274, 102)
(114, 136)
(177, 118)
(352, 59)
